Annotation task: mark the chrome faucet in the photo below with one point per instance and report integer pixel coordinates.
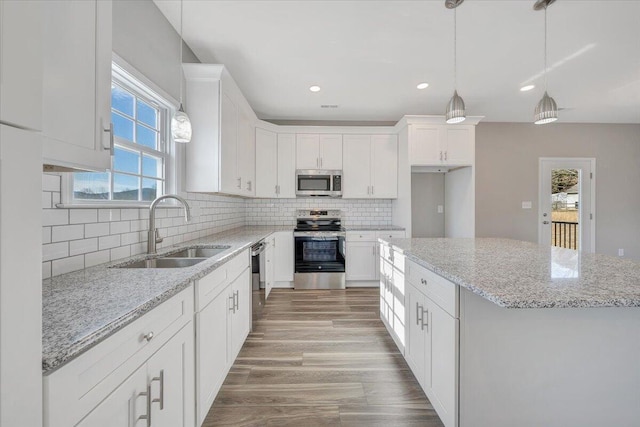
(154, 236)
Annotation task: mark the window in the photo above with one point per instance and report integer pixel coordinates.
(141, 158)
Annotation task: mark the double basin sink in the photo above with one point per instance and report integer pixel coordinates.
(182, 258)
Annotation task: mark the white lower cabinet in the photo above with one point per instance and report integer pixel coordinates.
(141, 375)
(284, 256)
(432, 346)
(223, 321)
(363, 256)
(392, 294)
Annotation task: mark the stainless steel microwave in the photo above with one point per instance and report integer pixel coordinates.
(315, 182)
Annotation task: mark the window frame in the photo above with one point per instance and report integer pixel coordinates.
(131, 80)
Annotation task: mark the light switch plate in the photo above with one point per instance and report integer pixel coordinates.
(526, 205)
(440, 209)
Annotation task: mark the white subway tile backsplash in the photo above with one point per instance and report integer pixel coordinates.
(129, 214)
(83, 216)
(108, 242)
(46, 200)
(67, 232)
(107, 215)
(50, 182)
(46, 270)
(46, 235)
(120, 252)
(120, 227)
(55, 217)
(97, 229)
(95, 258)
(84, 246)
(67, 265)
(55, 251)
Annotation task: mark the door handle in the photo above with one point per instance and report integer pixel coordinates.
(545, 222)
(160, 400)
(445, 156)
(146, 416)
(110, 131)
(239, 182)
(441, 156)
(233, 303)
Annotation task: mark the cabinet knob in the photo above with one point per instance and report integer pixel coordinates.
(148, 336)
(423, 281)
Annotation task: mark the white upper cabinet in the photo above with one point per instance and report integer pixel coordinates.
(321, 151)
(370, 166)
(275, 164)
(435, 145)
(221, 154)
(21, 64)
(76, 98)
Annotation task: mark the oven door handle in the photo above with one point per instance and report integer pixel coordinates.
(321, 234)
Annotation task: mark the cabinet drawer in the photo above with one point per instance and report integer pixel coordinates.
(361, 236)
(440, 290)
(390, 234)
(208, 287)
(78, 387)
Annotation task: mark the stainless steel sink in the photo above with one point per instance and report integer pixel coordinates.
(163, 263)
(197, 252)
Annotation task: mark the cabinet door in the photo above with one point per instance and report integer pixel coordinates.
(416, 334)
(357, 167)
(386, 303)
(211, 351)
(246, 154)
(21, 64)
(266, 163)
(77, 69)
(384, 166)
(123, 406)
(284, 256)
(229, 178)
(460, 145)
(397, 294)
(307, 151)
(361, 261)
(331, 152)
(241, 318)
(444, 363)
(287, 166)
(170, 372)
(425, 145)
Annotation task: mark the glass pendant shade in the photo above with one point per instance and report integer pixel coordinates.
(455, 109)
(546, 110)
(181, 126)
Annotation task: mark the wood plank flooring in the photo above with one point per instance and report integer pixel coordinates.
(321, 358)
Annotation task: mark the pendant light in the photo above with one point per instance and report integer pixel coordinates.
(455, 109)
(180, 123)
(547, 109)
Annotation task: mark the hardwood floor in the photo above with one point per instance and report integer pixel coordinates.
(321, 358)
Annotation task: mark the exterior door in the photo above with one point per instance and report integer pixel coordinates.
(567, 203)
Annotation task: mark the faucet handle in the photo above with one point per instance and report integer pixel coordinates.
(158, 238)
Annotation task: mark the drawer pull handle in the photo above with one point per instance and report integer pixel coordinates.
(146, 416)
(161, 380)
(423, 281)
(233, 303)
(148, 336)
(236, 297)
(425, 325)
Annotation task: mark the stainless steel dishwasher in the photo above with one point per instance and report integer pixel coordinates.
(257, 290)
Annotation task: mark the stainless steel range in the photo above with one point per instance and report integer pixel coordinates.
(319, 250)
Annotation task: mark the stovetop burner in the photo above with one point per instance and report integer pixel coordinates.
(319, 220)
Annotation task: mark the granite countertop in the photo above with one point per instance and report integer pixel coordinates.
(516, 274)
(373, 228)
(82, 308)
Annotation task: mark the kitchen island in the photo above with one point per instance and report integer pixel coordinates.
(501, 332)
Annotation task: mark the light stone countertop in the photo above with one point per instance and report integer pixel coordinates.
(82, 308)
(517, 274)
(373, 228)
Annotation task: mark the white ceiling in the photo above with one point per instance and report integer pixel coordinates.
(368, 56)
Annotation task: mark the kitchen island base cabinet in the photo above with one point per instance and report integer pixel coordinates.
(110, 384)
(552, 367)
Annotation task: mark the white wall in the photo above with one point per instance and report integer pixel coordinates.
(507, 156)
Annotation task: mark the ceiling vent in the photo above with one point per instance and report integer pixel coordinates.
(329, 106)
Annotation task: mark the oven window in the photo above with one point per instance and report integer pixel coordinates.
(311, 183)
(318, 251)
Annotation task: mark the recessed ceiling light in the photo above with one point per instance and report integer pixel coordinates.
(423, 85)
(314, 88)
(527, 88)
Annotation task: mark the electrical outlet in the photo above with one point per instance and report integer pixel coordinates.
(440, 209)
(526, 205)
(620, 252)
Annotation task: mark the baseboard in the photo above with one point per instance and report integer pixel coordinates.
(363, 284)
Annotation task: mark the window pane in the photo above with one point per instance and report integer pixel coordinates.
(126, 161)
(147, 114)
(125, 187)
(91, 186)
(146, 137)
(121, 100)
(152, 166)
(151, 188)
(122, 127)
